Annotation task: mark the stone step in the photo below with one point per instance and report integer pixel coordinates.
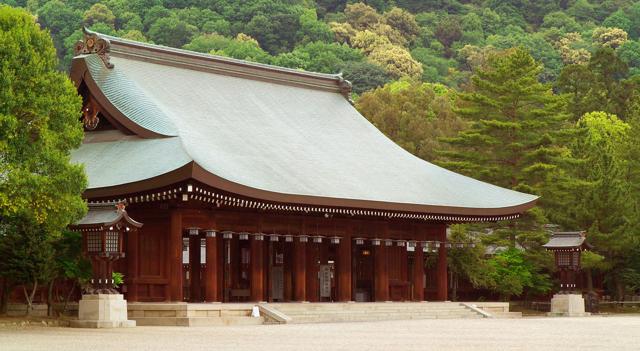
(366, 308)
(198, 321)
(385, 315)
(356, 312)
(506, 315)
(320, 312)
(381, 317)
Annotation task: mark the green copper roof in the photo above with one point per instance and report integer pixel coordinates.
(127, 97)
(264, 134)
(129, 160)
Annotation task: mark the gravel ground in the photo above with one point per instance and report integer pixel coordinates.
(590, 333)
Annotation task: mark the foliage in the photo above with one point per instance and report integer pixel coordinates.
(415, 115)
(511, 273)
(319, 57)
(601, 85)
(364, 76)
(39, 118)
(118, 279)
(99, 13)
(609, 37)
(468, 263)
(513, 137)
(171, 31)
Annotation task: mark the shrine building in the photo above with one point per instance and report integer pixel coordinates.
(260, 183)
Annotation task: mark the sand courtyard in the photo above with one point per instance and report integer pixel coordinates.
(590, 333)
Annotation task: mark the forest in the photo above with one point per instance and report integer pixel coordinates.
(536, 96)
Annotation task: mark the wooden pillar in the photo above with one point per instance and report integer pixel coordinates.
(257, 268)
(288, 271)
(381, 273)
(132, 265)
(195, 254)
(174, 255)
(344, 270)
(418, 273)
(221, 242)
(313, 285)
(299, 270)
(211, 267)
(442, 265)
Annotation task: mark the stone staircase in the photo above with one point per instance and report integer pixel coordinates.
(362, 311)
(219, 314)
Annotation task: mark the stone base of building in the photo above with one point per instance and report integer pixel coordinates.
(102, 311)
(567, 305)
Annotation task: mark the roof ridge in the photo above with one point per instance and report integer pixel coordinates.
(103, 45)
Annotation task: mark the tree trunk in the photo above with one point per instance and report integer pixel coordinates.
(50, 298)
(4, 297)
(454, 288)
(66, 301)
(588, 272)
(29, 297)
(619, 288)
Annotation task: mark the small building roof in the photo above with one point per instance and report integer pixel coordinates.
(567, 240)
(104, 215)
(260, 131)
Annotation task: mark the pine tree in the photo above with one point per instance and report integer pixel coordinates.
(516, 125)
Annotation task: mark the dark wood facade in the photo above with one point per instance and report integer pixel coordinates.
(278, 256)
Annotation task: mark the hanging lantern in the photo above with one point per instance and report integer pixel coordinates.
(227, 234)
(375, 242)
(210, 233)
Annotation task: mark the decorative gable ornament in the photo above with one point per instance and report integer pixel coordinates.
(94, 44)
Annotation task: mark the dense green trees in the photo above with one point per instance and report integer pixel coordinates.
(39, 125)
(414, 115)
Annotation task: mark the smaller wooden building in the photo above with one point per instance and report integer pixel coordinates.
(567, 248)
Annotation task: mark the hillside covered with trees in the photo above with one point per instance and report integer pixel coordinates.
(537, 96)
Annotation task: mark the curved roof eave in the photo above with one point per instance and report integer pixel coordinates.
(194, 171)
(80, 73)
